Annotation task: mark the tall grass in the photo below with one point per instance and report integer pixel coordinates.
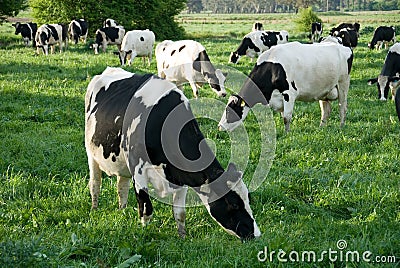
(325, 184)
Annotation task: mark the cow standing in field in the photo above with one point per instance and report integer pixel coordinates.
(257, 26)
(27, 31)
(142, 127)
(388, 78)
(291, 72)
(50, 35)
(349, 37)
(78, 29)
(255, 43)
(187, 61)
(137, 43)
(351, 26)
(111, 23)
(383, 35)
(316, 31)
(108, 36)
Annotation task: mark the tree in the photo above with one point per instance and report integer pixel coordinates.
(305, 19)
(154, 15)
(11, 8)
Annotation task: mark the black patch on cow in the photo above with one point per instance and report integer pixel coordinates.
(111, 104)
(142, 38)
(391, 65)
(234, 111)
(112, 34)
(245, 45)
(269, 39)
(349, 63)
(397, 102)
(27, 30)
(182, 47)
(53, 32)
(293, 85)
(173, 52)
(144, 202)
(264, 78)
(285, 96)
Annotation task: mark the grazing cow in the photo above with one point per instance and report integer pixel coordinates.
(349, 37)
(383, 35)
(257, 26)
(255, 43)
(316, 31)
(290, 72)
(388, 78)
(108, 36)
(344, 25)
(78, 29)
(50, 35)
(187, 61)
(142, 127)
(27, 31)
(137, 43)
(397, 102)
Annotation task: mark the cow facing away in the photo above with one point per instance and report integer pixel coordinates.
(142, 127)
(78, 29)
(108, 36)
(382, 35)
(187, 61)
(290, 72)
(388, 78)
(316, 31)
(27, 31)
(257, 26)
(50, 35)
(137, 43)
(255, 43)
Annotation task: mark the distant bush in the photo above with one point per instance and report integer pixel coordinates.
(158, 15)
(305, 19)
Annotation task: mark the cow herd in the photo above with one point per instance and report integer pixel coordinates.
(141, 127)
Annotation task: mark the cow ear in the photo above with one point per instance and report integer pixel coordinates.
(242, 103)
(372, 81)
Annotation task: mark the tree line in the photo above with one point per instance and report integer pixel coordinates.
(276, 6)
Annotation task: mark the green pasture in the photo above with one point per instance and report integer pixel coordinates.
(326, 185)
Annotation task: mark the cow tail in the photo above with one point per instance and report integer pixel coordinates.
(397, 102)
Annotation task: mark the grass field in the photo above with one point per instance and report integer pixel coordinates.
(326, 186)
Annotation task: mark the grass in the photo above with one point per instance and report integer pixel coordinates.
(324, 185)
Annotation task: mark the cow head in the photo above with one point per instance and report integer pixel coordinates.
(234, 57)
(384, 83)
(17, 26)
(227, 201)
(217, 81)
(235, 112)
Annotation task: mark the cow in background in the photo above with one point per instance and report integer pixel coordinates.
(257, 26)
(27, 31)
(187, 61)
(388, 78)
(316, 31)
(108, 36)
(78, 29)
(383, 35)
(255, 43)
(111, 23)
(50, 35)
(353, 26)
(137, 43)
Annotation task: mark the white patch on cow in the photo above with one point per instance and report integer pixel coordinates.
(221, 81)
(224, 125)
(276, 102)
(132, 127)
(155, 89)
(395, 48)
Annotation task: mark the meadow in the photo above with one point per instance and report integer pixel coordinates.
(328, 189)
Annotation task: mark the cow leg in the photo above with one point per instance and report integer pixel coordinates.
(142, 196)
(343, 90)
(179, 203)
(94, 181)
(133, 56)
(123, 191)
(195, 89)
(325, 111)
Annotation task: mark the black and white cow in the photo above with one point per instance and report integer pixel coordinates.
(108, 36)
(383, 35)
(187, 61)
(27, 31)
(316, 31)
(50, 35)
(291, 72)
(111, 23)
(349, 37)
(255, 43)
(388, 78)
(257, 26)
(142, 127)
(78, 29)
(137, 43)
(352, 26)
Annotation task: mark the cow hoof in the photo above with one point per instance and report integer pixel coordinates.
(123, 206)
(145, 219)
(182, 231)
